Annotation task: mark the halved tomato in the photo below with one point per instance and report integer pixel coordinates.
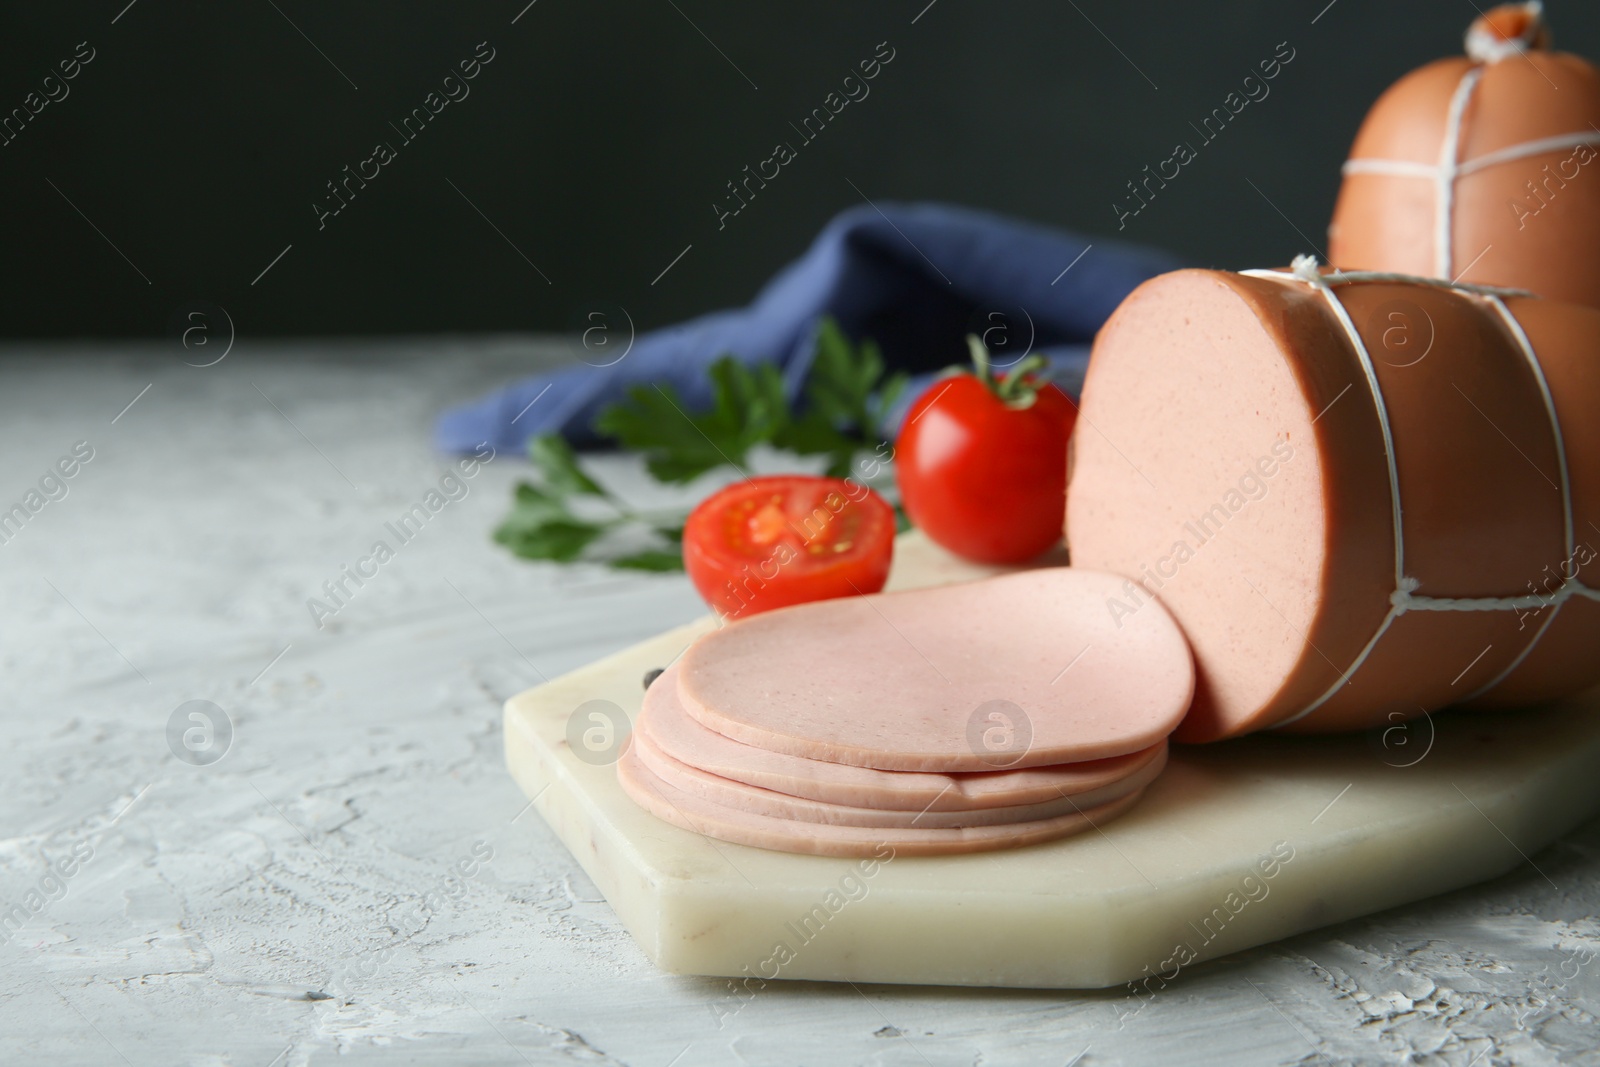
(770, 542)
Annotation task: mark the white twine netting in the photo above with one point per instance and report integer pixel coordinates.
(1405, 597)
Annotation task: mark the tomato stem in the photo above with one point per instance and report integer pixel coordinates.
(1018, 387)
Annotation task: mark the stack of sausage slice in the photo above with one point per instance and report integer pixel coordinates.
(988, 715)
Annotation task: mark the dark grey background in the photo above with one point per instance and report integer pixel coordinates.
(602, 133)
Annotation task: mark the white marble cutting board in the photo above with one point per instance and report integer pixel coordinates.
(1235, 845)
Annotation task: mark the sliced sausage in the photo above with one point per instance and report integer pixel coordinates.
(665, 724)
(690, 812)
(1021, 670)
(756, 800)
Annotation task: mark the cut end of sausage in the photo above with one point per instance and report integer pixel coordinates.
(1198, 476)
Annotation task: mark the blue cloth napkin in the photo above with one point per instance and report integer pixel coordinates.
(916, 278)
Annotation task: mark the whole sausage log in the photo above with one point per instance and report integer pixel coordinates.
(1362, 497)
(1482, 168)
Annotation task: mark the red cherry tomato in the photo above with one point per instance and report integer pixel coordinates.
(771, 542)
(982, 464)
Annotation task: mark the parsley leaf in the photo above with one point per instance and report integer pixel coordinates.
(748, 409)
(559, 465)
(561, 540)
(842, 415)
(651, 559)
(846, 399)
(542, 524)
(846, 396)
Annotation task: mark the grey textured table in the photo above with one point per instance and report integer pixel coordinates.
(358, 876)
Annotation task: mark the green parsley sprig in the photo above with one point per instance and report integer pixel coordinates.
(543, 525)
(847, 398)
